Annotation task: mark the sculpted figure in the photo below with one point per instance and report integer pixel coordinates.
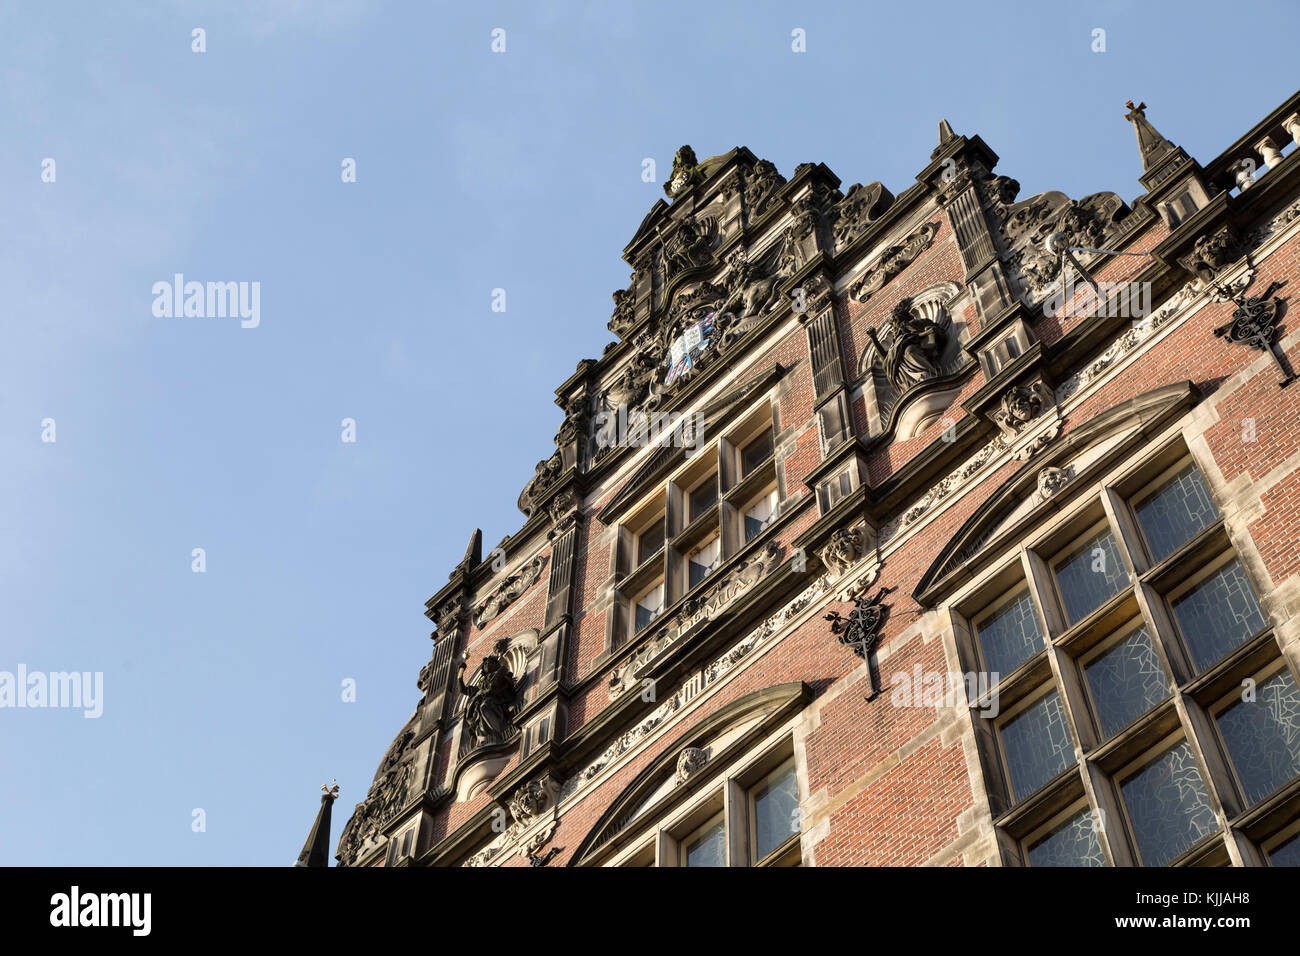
(914, 346)
(491, 703)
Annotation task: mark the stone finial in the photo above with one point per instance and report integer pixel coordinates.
(1151, 144)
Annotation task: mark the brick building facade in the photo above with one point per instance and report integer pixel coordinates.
(941, 528)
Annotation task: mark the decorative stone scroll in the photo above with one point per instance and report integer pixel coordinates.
(515, 584)
(894, 260)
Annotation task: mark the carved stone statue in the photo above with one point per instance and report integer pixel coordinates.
(915, 342)
(686, 172)
(491, 699)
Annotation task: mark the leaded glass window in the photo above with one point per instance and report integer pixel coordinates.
(1126, 681)
(703, 562)
(708, 848)
(1072, 842)
(760, 515)
(1167, 805)
(1090, 574)
(1037, 745)
(1010, 636)
(776, 812)
(1218, 614)
(1173, 513)
(1287, 854)
(1263, 736)
(649, 607)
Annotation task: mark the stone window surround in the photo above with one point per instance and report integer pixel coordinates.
(1025, 820)
(728, 793)
(669, 503)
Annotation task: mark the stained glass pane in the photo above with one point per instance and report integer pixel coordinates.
(1037, 745)
(1173, 513)
(1288, 854)
(1126, 681)
(776, 813)
(1220, 614)
(709, 848)
(1263, 736)
(1010, 637)
(1073, 842)
(1167, 805)
(1090, 575)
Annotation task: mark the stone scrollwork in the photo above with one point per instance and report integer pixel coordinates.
(544, 476)
(515, 584)
(894, 260)
(860, 206)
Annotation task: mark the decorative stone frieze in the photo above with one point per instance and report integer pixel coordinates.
(696, 610)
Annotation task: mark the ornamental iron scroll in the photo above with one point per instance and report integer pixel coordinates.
(861, 629)
(1254, 323)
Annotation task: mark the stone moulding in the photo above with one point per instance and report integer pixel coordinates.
(695, 611)
(695, 685)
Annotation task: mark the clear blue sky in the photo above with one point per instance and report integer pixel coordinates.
(475, 171)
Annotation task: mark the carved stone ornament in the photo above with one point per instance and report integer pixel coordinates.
(533, 798)
(1040, 441)
(690, 762)
(1088, 223)
(686, 173)
(894, 260)
(843, 550)
(624, 316)
(1211, 254)
(751, 287)
(860, 207)
(532, 847)
(515, 584)
(861, 629)
(450, 618)
(490, 701)
(563, 510)
(547, 471)
(690, 246)
(761, 186)
(1020, 405)
(910, 345)
(1052, 480)
(390, 790)
(694, 611)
